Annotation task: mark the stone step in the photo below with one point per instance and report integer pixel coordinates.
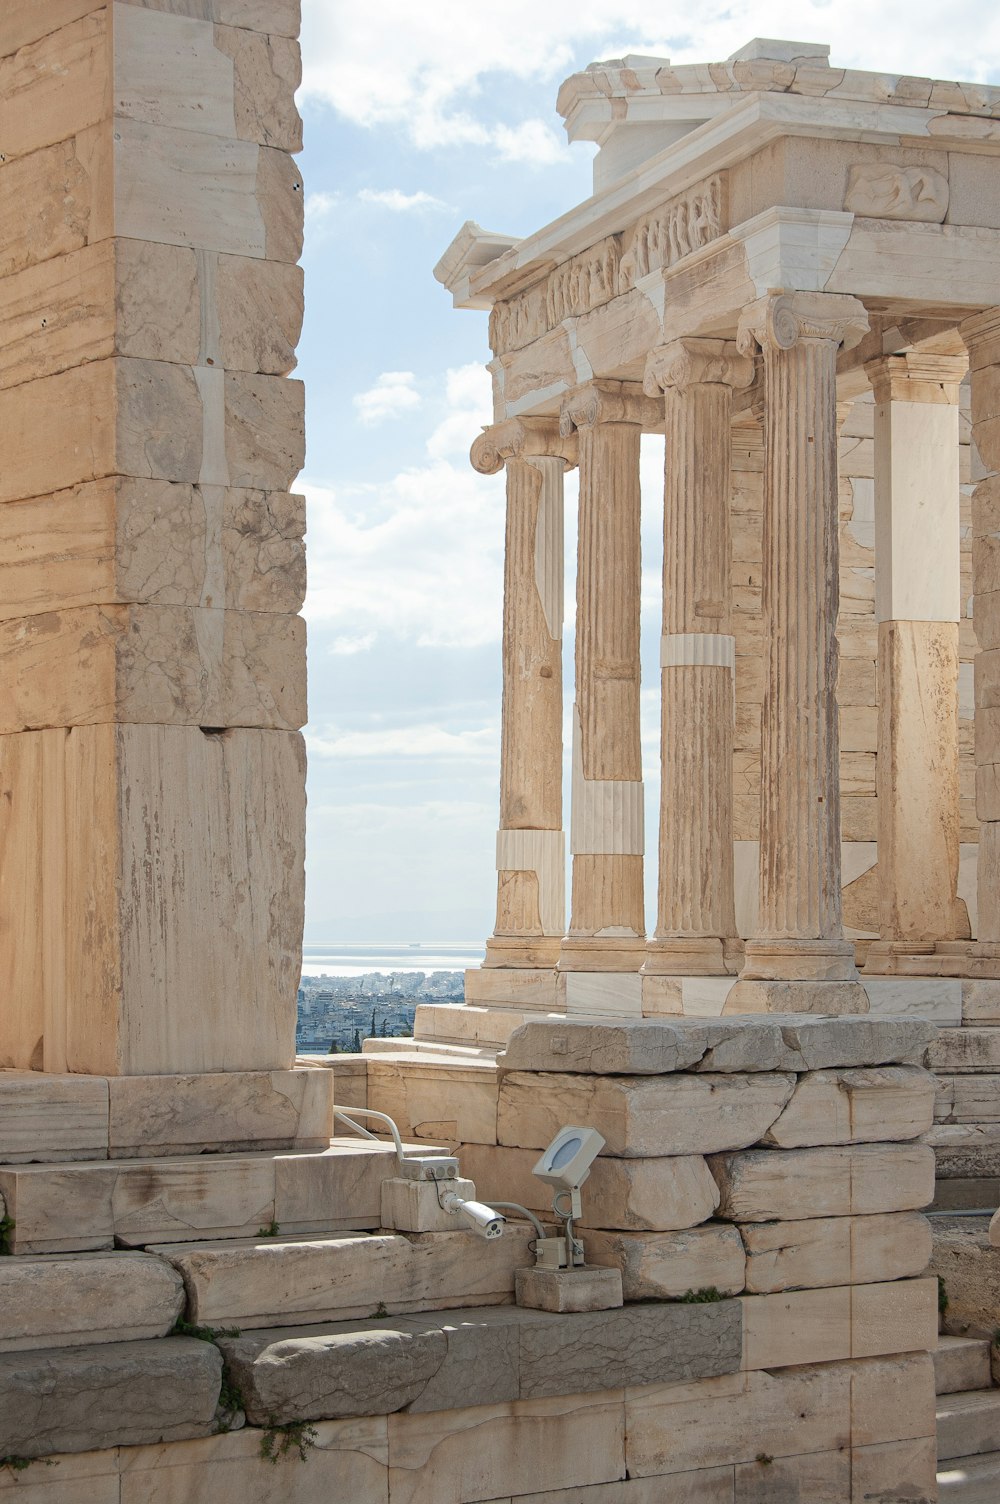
(68, 1300)
(962, 1364)
(46, 1118)
(430, 1047)
(266, 1283)
(968, 1424)
(452, 1099)
(80, 1399)
(485, 1356)
(78, 1207)
(970, 1480)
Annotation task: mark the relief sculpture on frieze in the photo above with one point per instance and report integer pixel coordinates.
(612, 266)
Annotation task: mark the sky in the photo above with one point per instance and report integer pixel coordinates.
(419, 117)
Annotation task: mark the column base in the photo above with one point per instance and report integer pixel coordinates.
(522, 951)
(768, 995)
(970, 959)
(533, 989)
(624, 953)
(799, 961)
(694, 956)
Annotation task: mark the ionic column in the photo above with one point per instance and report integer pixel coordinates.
(800, 936)
(530, 854)
(696, 919)
(982, 340)
(918, 606)
(607, 925)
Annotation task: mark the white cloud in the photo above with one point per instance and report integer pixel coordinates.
(393, 392)
(400, 202)
(432, 70)
(469, 399)
(410, 741)
(349, 643)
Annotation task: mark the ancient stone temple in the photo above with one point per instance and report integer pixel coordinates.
(214, 1285)
(789, 269)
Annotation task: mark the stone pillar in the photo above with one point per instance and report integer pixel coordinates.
(982, 339)
(531, 855)
(918, 606)
(800, 938)
(696, 919)
(152, 655)
(607, 923)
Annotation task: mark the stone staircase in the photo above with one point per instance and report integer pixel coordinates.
(968, 1422)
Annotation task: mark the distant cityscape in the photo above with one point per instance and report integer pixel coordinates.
(336, 1013)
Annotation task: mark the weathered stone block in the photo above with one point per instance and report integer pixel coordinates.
(259, 308)
(71, 186)
(642, 1117)
(220, 1112)
(265, 430)
(835, 1250)
(414, 1205)
(56, 85)
(149, 542)
(582, 1289)
(118, 1394)
(969, 1264)
(668, 1265)
(886, 1103)
(966, 1049)
(145, 978)
(339, 1188)
(262, 1284)
(267, 70)
(52, 1117)
(962, 1364)
(455, 1455)
(655, 1194)
(86, 1298)
(157, 665)
(453, 1101)
(768, 1185)
(349, 1458)
(821, 1326)
(638, 1047)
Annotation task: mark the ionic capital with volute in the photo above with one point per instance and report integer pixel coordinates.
(608, 402)
(522, 439)
(915, 377)
(684, 363)
(780, 320)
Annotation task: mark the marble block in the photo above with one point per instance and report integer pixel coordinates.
(773, 1185)
(969, 1264)
(86, 1298)
(449, 1100)
(563, 1290)
(669, 1265)
(154, 821)
(115, 1394)
(220, 1112)
(826, 1251)
(643, 1117)
(874, 1103)
(259, 1283)
(637, 1194)
(818, 1326)
(965, 1049)
(51, 1117)
(414, 1205)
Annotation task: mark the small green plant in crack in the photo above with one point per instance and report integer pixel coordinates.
(702, 1297)
(943, 1301)
(184, 1328)
(7, 1225)
(296, 1436)
(381, 1311)
(765, 1459)
(19, 1464)
(231, 1403)
(270, 1231)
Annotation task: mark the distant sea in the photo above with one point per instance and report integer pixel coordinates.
(353, 960)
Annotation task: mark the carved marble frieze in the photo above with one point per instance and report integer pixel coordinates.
(881, 190)
(612, 266)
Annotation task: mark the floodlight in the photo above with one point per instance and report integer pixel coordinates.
(566, 1162)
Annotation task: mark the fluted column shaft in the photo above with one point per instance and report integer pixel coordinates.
(800, 932)
(607, 925)
(918, 606)
(530, 856)
(982, 340)
(696, 920)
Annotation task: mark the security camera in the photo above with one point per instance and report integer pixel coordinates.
(566, 1162)
(481, 1218)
